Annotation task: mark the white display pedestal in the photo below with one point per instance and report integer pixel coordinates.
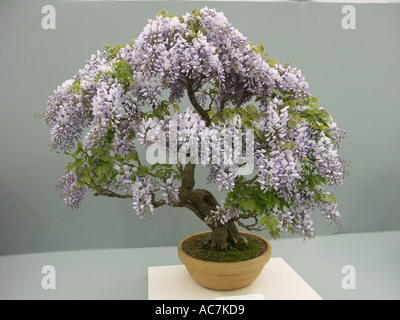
(277, 281)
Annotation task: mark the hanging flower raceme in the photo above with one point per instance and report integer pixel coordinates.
(222, 215)
(170, 192)
(141, 194)
(70, 191)
(186, 138)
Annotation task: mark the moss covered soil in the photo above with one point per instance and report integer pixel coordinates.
(199, 247)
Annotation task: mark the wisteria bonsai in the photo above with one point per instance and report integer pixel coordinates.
(132, 97)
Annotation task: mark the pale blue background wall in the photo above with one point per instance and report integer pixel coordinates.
(355, 73)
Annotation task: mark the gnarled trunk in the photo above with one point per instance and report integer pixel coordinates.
(202, 202)
(225, 235)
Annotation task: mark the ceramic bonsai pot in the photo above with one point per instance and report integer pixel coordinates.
(224, 275)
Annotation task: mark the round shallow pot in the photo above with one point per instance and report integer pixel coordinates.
(224, 275)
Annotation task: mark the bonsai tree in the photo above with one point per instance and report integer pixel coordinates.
(189, 91)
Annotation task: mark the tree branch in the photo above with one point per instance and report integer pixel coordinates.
(188, 181)
(191, 94)
(156, 203)
(244, 96)
(193, 208)
(224, 101)
(251, 227)
(250, 180)
(230, 96)
(112, 194)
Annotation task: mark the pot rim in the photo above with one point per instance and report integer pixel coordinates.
(264, 255)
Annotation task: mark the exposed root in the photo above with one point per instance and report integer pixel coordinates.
(245, 240)
(225, 235)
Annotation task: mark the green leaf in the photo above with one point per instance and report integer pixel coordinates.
(176, 107)
(291, 123)
(76, 153)
(263, 220)
(260, 207)
(98, 77)
(310, 112)
(289, 146)
(215, 120)
(272, 63)
(242, 203)
(277, 92)
(142, 170)
(296, 118)
(163, 13)
(261, 48)
(69, 166)
(106, 46)
(325, 116)
(331, 198)
(213, 111)
(229, 203)
(132, 135)
(132, 155)
(86, 179)
(196, 12)
(292, 103)
(314, 100)
(80, 183)
(79, 162)
(267, 199)
(271, 225)
(251, 204)
(322, 196)
(227, 113)
(103, 170)
(252, 110)
(119, 158)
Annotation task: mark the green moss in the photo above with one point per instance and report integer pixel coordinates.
(199, 247)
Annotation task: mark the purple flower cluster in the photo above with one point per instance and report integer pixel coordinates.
(67, 116)
(122, 142)
(292, 80)
(141, 194)
(227, 154)
(72, 193)
(328, 208)
(168, 55)
(123, 179)
(328, 161)
(286, 159)
(169, 190)
(95, 99)
(280, 167)
(222, 215)
(219, 147)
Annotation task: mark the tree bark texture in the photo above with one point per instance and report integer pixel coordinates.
(202, 202)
